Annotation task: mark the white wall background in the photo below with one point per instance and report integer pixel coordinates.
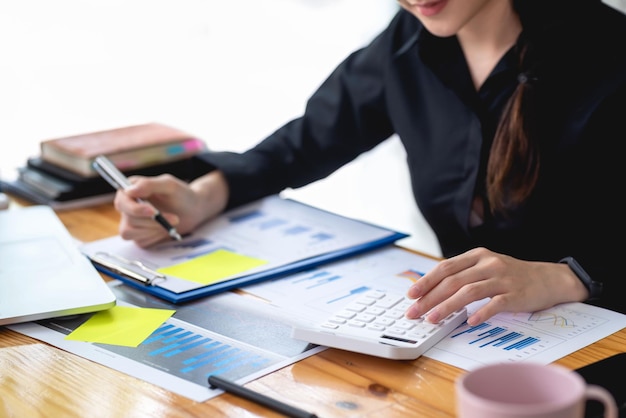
(228, 72)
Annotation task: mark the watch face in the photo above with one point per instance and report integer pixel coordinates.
(595, 290)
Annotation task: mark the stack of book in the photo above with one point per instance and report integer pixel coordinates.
(62, 175)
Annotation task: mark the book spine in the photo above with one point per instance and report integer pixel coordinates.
(127, 160)
(59, 189)
(44, 184)
(76, 165)
(132, 160)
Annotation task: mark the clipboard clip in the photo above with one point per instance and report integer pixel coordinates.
(131, 269)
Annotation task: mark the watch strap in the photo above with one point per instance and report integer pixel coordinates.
(594, 288)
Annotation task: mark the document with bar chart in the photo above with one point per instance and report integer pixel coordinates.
(236, 336)
(543, 336)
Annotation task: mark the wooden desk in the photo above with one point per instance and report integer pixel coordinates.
(38, 380)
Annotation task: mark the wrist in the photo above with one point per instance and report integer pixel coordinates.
(211, 192)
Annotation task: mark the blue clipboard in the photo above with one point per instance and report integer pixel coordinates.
(136, 272)
(239, 282)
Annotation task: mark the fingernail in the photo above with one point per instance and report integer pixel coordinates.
(414, 292)
(473, 321)
(433, 317)
(412, 312)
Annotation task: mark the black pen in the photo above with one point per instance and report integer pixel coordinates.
(115, 178)
(271, 403)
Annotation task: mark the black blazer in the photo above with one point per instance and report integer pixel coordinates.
(410, 83)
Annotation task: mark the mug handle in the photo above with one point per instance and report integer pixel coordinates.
(598, 393)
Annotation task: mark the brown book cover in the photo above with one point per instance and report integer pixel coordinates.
(129, 148)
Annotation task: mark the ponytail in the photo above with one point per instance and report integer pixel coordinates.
(513, 165)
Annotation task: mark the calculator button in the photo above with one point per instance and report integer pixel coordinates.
(346, 314)
(367, 301)
(395, 331)
(376, 327)
(389, 301)
(405, 324)
(385, 321)
(375, 294)
(365, 318)
(395, 314)
(375, 311)
(356, 308)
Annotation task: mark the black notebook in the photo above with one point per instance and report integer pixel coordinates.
(43, 183)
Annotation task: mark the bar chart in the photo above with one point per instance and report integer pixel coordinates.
(518, 336)
(191, 353)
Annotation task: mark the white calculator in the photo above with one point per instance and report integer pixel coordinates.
(375, 324)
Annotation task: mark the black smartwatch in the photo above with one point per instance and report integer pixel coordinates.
(594, 288)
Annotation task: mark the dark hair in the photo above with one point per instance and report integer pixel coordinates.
(514, 160)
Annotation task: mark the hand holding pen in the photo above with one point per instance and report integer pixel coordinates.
(115, 178)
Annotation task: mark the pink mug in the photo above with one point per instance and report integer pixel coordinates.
(527, 390)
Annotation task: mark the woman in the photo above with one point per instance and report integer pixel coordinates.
(511, 116)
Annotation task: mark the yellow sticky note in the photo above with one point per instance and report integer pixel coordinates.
(121, 325)
(213, 267)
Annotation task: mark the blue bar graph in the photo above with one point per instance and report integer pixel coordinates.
(246, 216)
(324, 281)
(195, 354)
(503, 340)
(495, 336)
(316, 279)
(352, 292)
(522, 344)
(272, 223)
(312, 276)
(322, 236)
(296, 230)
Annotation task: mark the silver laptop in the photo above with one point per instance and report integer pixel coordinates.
(43, 274)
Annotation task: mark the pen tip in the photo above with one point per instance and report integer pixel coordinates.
(174, 234)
